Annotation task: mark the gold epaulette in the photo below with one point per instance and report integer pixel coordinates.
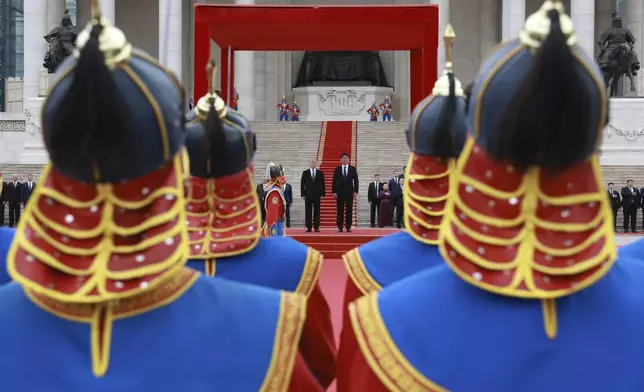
(358, 273)
(310, 273)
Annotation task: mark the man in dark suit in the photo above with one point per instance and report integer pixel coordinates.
(287, 189)
(13, 197)
(261, 195)
(395, 187)
(373, 195)
(630, 202)
(642, 204)
(312, 191)
(345, 190)
(615, 202)
(28, 188)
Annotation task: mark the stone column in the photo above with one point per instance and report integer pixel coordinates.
(633, 17)
(245, 77)
(108, 9)
(512, 18)
(170, 35)
(443, 20)
(55, 12)
(583, 18)
(35, 46)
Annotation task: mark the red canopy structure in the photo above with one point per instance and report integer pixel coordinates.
(317, 28)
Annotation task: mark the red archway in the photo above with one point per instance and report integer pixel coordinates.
(317, 28)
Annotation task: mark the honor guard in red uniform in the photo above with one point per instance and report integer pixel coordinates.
(283, 108)
(235, 98)
(103, 300)
(385, 108)
(530, 298)
(295, 112)
(436, 136)
(373, 112)
(274, 202)
(224, 220)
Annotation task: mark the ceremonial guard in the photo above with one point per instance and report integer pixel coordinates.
(224, 221)
(283, 108)
(436, 135)
(235, 98)
(531, 298)
(103, 300)
(274, 202)
(295, 112)
(385, 107)
(373, 112)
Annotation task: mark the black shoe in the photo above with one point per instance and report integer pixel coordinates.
(339, 230)
(348, 230)
(372, 226)
(317, 230)
(308, 230)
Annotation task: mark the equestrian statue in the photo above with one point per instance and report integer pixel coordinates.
(617, 56)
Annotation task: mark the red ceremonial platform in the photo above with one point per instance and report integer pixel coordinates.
(333, 244)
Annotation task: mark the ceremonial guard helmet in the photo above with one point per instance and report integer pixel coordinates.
(107, 219)
(223, 211)
(528, 216)
(273, 174)
(436, 136)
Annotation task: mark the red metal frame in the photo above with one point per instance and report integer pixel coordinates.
(317, 28)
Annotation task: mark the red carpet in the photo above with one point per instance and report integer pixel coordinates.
(336, 138)
(333, 244)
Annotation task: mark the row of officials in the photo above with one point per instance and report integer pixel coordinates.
(507, 279)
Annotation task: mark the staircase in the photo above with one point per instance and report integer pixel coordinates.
(291, 144)
(383, 149)
(336, 137)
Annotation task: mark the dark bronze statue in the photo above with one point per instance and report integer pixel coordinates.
(350, 68)
(617, 57)
(61, 40)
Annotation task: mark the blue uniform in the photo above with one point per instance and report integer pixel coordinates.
(463, 348)
(531, 297)
(6, 236)
(633, 250)
(279, 263)
(379, 263)
(216, 335)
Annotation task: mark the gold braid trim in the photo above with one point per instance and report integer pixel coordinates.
(287, 340)
(381, 353)
(358, 272)
(311, 272)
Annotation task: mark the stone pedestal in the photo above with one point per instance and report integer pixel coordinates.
(338, 103)
(33, 149)
(623, 142)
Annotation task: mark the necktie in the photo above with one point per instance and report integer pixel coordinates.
(344, 169)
